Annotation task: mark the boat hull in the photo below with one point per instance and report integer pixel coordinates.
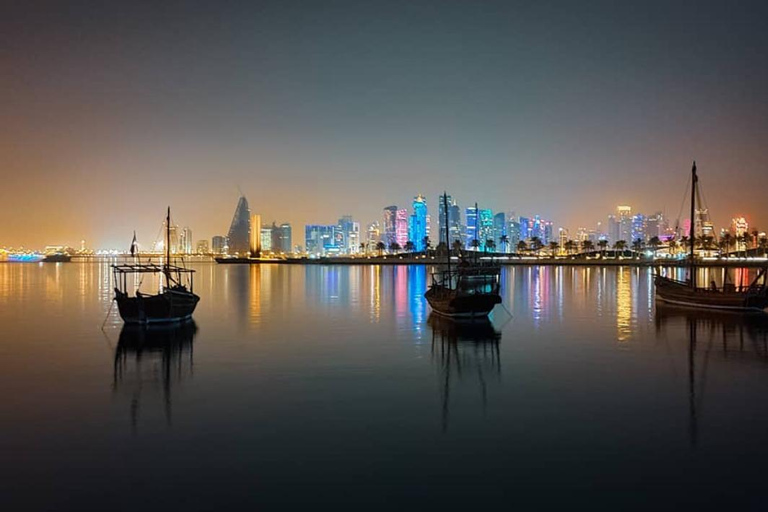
(454, 304)
(168, 307)
(681, 294)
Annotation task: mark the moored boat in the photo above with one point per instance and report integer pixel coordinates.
(174, 302)
(58, 257)
(459, 295)
(753, 297)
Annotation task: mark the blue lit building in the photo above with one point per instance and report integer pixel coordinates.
(486, 227)
(472, 227)
(500, 230)
(418, 223)
(525, 232)
(320, 239)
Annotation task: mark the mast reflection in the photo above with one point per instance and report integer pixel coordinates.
(152, 357)
(715, 335)
(463, 349)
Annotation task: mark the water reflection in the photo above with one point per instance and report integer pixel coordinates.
(152, 359)
(717, 338)
(464, 352)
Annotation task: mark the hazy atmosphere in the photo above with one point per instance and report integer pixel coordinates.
(111, 112)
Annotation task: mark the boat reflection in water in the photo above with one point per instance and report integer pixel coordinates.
(717, 337)
(465, 352)
(152, 358)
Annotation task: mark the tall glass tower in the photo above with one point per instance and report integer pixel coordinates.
(418, 227)
(240, 230)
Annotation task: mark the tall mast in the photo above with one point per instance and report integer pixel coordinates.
(447, 233)
(691, 231)
(168, 244)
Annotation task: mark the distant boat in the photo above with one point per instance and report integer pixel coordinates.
(57, 257)
(174, 302)
(456, 294)
(753, 297)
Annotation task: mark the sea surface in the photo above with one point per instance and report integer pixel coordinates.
(319, 387)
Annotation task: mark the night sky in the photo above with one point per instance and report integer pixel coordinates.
(111, 112)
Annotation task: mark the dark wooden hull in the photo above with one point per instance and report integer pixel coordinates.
(167, 307)
(459, 304)
(57, 258)
(681, 294)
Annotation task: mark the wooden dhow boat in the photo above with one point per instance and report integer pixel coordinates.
(753, 297)
(174, 302)
(455, 294)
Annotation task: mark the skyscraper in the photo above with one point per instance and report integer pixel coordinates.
(265, 236)
(472, 227)
(401, 227)
(219, 244)
(513, 233)
(319, 239)
(441, 218)
(624, 218)
(418, 223)
(389, 226)
(455, 226)
(240, 229)
(499, 231)
(255, 235)
(284, 238)
(185, 241)
(486, 227)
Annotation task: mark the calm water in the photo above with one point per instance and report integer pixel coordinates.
(311, 387)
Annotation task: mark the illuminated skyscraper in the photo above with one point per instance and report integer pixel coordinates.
(418, 223)
(624, 219)
(219, 244)
(284, 239)
(389, 225)
(240, 229)
(373, 235)
(455, 227)
(185, 241)
(499, 231)
(441, 218)
(320, 239)
(265, 236)
(348, 235)
(739, 226)
(255, 242)
(203, 247)
(486, 227)
(472, 227)
(638, 229)
(513, 233)
(401, 227)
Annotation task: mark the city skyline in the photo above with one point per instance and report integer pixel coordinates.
(109, 119)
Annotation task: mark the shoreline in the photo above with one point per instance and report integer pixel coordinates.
(628, 262)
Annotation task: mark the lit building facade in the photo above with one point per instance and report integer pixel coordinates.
(418, 223)
(389, 225)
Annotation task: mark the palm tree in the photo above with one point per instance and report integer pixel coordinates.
(504, 241)
(490, 245)
(587, 246)
(394, 247)
(672, 247)
(553, 246)
(362, 247)
(603, 245)
(763, 244)
(380, 246)
(726, 243)
(637, 245)
(427, 244)
(536, 244)
(475, 243)
(685, 243)
(440, 249)
(521, 247)
(620, 245)
(457, 247)
(654, 244)
(570, 246)
(409, 246)
(744, 241)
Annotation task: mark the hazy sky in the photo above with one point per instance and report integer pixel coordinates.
(111, 112)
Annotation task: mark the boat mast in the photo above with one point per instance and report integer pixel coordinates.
(447, 234)
(691, 231)
(168, 248)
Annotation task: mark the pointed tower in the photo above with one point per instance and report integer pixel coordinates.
(240, 230)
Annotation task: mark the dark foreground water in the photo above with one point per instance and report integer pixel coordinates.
(317, 387)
